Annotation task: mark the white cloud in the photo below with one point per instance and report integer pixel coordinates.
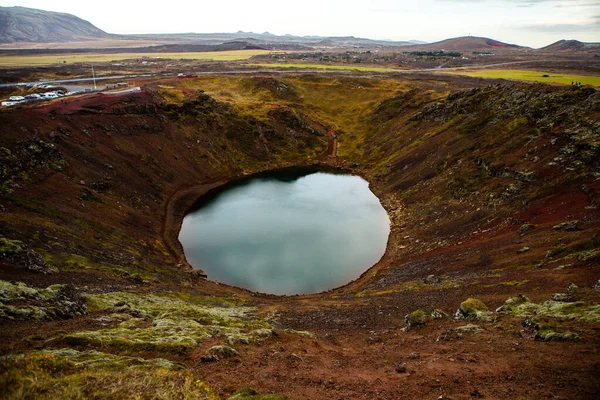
(515, 21)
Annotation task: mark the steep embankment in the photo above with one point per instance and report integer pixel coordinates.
(473, 172)
(89, 182)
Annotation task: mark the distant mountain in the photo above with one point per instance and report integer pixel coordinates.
(270, 41)
(469, 43)
(20, 24)
(571, 45)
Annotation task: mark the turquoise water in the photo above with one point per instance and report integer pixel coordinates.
(291, 232)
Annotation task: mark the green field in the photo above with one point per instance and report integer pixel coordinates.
(49, 59)
(535, 76)
(322, 66)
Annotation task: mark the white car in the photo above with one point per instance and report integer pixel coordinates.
(16, 98)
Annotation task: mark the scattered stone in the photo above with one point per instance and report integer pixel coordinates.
(413, 356)
(560, 297)
(124, 308)
(526, 176)
(209, 358)
(418, 317)
(459, 332)
(250, 394)
(263, 333)
(513, 302)
(470, 328)
(198, 273)
(549, 335)
(525, 228)
(223, 351)
(437, 314)
(401, 369)
(474, 310)
(571, 287)
(523, 250)
(597, 286)
(301, 333)
(567, 226)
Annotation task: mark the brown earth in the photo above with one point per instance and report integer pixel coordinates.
(100, 185)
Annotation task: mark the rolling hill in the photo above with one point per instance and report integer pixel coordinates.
(571, 45)
(469, 43)
(20, 24)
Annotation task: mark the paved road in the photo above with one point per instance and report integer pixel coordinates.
(101, 78)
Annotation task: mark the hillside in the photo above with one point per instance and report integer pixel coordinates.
(20, 24)
(468, 43)
(492, 194)
(571, 45)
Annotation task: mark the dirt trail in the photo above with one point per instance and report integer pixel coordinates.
(332, 144)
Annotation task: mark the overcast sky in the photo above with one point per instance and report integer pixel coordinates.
(534, 23)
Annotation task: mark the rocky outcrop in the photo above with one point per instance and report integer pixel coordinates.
(19, 301)
(19, 254)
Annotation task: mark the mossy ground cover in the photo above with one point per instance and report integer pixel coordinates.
(21, 302)
(71, 374)
(521, 306)
(534, 76)
(342, 102)
(169, 323)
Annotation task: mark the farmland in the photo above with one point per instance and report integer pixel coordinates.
(50, 59)
(326, 66)
(534, 76)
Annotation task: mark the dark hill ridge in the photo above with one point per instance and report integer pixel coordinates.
(571, 45)
(470, 43)
(20, 24)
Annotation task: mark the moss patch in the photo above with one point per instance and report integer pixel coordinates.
(521, 306)
(19, 301)
(70, 374)
(172, 323)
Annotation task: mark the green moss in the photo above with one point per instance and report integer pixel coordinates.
(475, 310)
(471, 305)
(550, 335)
(10, 246)
(418, 317)
(555, 251)
(514, 283)
(516, 123)
(521, 306)
(172, 323)
(19, 301)
(71, 374)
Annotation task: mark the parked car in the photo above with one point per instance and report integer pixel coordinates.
(16, 98)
